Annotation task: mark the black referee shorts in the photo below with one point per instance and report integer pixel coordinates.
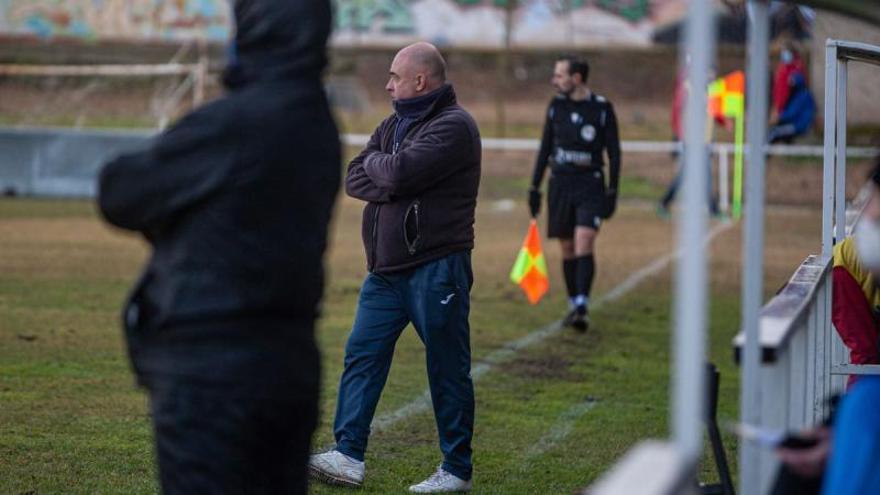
(575, 200)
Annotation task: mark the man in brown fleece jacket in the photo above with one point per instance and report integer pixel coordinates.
(419, 175)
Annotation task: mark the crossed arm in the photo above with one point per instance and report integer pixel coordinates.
(439, 151)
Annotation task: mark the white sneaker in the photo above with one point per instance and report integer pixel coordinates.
(442, 482)
(336, 468)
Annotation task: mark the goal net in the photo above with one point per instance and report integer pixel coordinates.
(60, 123)
(100, 96)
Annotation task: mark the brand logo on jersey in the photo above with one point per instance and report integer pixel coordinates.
(576, 118)
(588, 132)
(580, 158)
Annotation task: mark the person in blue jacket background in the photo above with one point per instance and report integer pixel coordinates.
(797, 116)
(855, 450)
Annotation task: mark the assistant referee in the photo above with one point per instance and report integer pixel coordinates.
(580, 126)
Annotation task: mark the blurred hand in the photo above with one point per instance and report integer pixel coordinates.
(809, 462)
(534, 202)
(610, 203)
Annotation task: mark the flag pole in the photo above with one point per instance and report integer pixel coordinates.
(738, 166)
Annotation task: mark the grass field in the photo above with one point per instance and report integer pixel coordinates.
(551, 417)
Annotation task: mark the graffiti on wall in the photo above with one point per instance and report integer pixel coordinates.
(361, 15)
(93, 19)
(471, 23)
(481, 22)
(395, 16)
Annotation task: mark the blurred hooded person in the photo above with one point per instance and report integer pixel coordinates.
(235, 201)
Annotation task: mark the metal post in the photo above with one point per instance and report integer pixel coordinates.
(840, 176)
(810, 363)
(830, 135)
(690, 298)
(723, 181)
(813, 408)
(753, 238)
(825, 314)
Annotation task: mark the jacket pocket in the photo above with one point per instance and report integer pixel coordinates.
(412, 227)
(370, 233)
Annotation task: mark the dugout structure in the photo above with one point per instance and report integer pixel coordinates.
(790, 355)
(802, 360)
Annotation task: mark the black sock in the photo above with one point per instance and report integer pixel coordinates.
(569, 269)
(586, 267)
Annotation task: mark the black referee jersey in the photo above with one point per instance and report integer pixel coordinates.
(575, 135)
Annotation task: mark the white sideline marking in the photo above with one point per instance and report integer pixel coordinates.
(503, 205)
(560, 430)
(422, 403)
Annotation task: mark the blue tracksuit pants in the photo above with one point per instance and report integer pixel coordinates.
(435, 298)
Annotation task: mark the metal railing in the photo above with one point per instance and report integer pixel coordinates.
(794, 360)
(803, 359)
(652, 467)
(794, 336)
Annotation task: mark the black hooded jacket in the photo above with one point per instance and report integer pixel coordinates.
(235, 200)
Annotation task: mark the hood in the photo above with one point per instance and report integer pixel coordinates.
(278, 40)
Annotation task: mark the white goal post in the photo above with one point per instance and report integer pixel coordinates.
(59, 88)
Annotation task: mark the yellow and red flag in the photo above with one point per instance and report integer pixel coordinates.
(530, 269)
(727, 95)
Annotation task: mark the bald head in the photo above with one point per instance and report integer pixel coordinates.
(416, 70)
(425, 57)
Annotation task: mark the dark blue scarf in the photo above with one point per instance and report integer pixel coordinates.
(411, 110)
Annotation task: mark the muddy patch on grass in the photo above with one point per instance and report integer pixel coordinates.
(552, 366)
